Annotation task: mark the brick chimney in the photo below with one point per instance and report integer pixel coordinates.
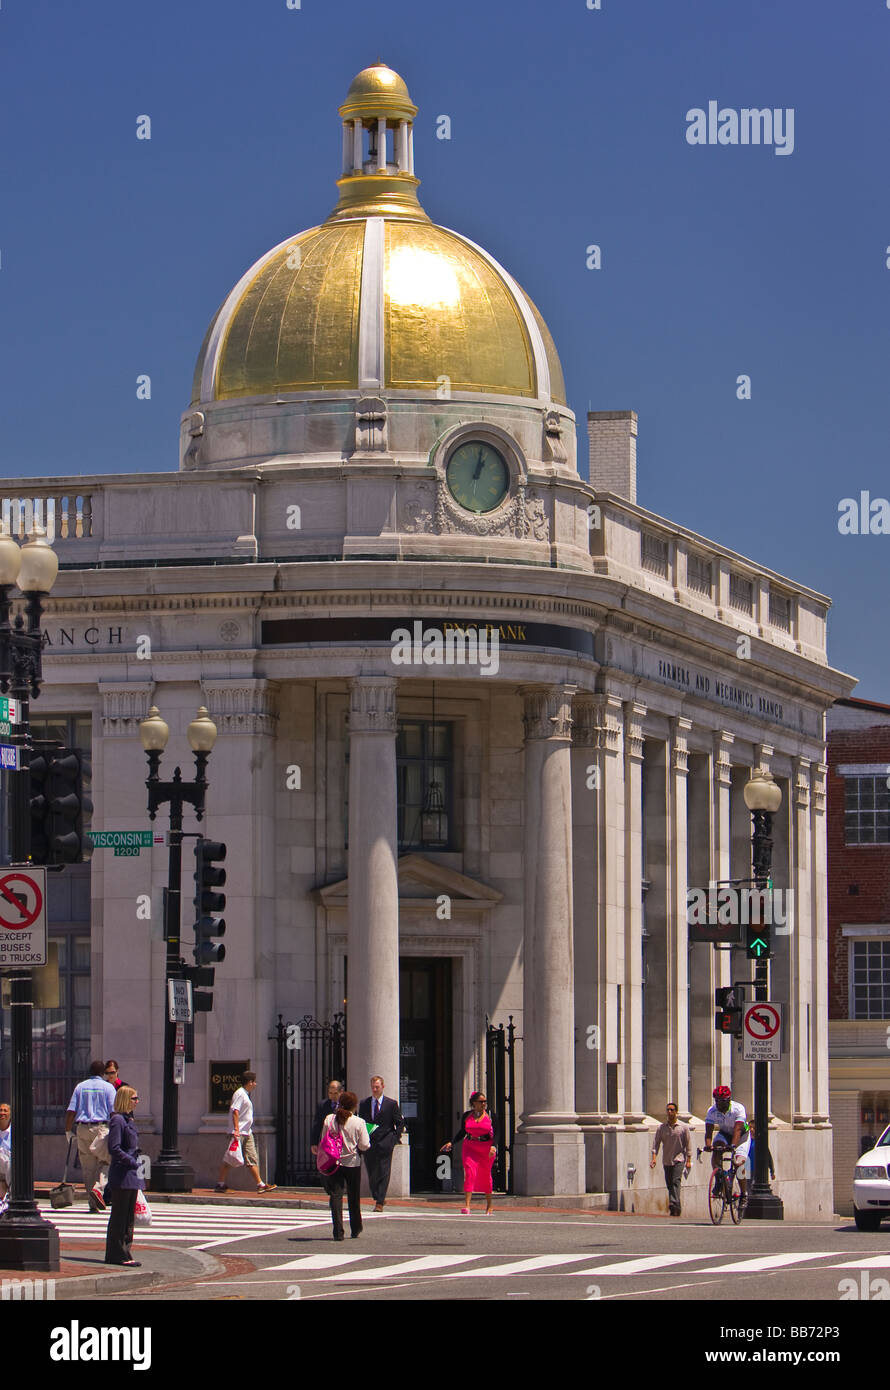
(613, 451)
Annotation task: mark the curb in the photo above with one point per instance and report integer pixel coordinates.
(80, 1284)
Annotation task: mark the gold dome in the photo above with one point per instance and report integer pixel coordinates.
(378, 297)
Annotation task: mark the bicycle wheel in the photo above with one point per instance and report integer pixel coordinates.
(735, 1199)
(716, 1196)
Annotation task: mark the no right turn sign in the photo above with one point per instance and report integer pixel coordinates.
(762, 1032)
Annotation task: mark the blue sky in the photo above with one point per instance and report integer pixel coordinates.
(568, 129)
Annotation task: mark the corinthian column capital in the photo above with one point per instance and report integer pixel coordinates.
(547, 710)
(372, 705)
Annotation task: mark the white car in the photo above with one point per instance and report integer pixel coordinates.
(871, 1185)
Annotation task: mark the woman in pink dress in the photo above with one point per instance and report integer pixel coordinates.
(477, 1131)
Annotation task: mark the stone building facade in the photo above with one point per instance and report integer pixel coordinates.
(378, 438)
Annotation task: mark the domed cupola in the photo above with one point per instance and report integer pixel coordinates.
(376, 302)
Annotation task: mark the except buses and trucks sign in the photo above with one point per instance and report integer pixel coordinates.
(22, 917)
(762, 1032)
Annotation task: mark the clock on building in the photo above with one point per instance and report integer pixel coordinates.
(478, 477)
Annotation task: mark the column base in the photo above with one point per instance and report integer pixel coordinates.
(28, 1243)
(764, 1206)
(549, 1163)
(399, 1173)
(171, 1176)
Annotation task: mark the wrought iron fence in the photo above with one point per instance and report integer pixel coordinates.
(310, 1054)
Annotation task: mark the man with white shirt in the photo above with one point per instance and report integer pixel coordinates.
(86, 1118)
(241, 1128)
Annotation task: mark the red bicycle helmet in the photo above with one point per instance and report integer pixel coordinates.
(722, 1093)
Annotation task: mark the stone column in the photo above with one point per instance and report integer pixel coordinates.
(357, 146)
(795, 935)
(819, 918)
(402, 156)
(372, 1017)
(721, 870)
(381, 144)
(411, 149)
(702, 795)
(347, 147)
(589, 927)
(678, 944)
(549, 1146)
(631, 960)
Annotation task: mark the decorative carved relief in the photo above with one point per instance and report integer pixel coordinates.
(609, 722)
(230, 631)
(680, 727)
(547, 711)
(370, 426)
(196, 432)
(416, 518)
(372, 705)
(634, 714)
(522, 518)
(723, 742)
(820, 772)
(802, 768)
(242, 707)
(584, 723)
(123, 706)
(554, 449)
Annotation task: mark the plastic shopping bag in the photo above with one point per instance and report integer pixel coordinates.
(233, 1155)
(143, 1210)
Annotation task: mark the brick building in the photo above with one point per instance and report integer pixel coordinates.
(858, 930)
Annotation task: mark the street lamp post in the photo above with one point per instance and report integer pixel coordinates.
(170, 1173)
(763, 797)
(27, 1241)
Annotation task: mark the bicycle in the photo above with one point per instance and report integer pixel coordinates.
(724, 1191)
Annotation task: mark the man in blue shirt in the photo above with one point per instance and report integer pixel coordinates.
(89, 1111)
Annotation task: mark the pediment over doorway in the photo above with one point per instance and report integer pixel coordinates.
(421, 881)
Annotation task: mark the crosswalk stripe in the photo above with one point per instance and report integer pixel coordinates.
(422, 1262)
(871, 1262)
(644, 1265)
(307, 1262)
(526, 1266)
(764, 1262)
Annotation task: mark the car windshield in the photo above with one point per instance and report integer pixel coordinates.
(884, 1140)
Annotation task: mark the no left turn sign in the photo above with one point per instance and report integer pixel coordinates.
(762, 1032)
(23, 917)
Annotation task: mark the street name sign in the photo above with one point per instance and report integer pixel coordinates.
(125, 843)
(9, 710)
(9, 757)
(22, 916)
(762, 1032)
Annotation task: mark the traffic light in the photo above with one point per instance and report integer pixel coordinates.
(40, 759)
(202, 977)
(728, 1018)
(208, 878)
(59, 803)
(757, 940)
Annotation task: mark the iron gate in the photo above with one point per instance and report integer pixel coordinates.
(500, 1043)
(310, 1054)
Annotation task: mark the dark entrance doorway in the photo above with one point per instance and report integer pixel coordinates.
(426, 1049)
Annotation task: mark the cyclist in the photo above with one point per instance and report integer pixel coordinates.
(730, 1120)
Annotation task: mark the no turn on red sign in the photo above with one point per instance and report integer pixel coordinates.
(22, 916)
(762, 1032)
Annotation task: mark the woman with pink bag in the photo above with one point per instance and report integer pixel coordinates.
(343, 1138)
(125, 1180)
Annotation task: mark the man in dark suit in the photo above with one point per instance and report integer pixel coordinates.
(383, 1112)
(323, 1109)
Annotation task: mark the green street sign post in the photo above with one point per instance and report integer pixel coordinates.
(125, 843)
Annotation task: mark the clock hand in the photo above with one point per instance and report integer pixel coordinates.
(479, 465)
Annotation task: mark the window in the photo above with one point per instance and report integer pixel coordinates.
(654, 553)
(424, 773)
(424, 786)
(698, 574)
(780, 610)
(870, 978)
(866, 811)
(741, 593)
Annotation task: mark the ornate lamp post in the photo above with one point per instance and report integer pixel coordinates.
(763, 798)
(170, 1173)
(26, 1240)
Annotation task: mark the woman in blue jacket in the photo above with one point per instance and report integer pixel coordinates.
(124, 1178)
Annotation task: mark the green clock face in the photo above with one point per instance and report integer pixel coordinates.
(478, 477)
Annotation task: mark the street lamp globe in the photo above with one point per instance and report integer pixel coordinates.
(10, 559)
(762, 793)
(40, 565)
(201, 733)
(154, 732)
